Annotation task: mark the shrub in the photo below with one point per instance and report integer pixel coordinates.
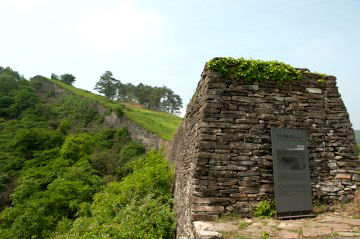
(27, 141)
(51, 188)
(104, 139)
(24, 99)
(265, 235)
(105, 161)
(264, 209)
(121, 137)
(119, 112)
(131, 150)
(76, 147)
(76, 110)
(140, 206)
(64, 126)
(254, 70)
(9, 165)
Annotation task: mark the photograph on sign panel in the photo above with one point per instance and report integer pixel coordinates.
(291, 160)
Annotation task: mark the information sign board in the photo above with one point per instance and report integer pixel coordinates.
(291, 173)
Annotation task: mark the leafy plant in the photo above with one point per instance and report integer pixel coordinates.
(265, 235)
(119, 112)
(264, 209)
(321, 81)
(254, 70)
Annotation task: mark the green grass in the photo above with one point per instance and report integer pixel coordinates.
(161, 124)
(357, 136)
(243, 225)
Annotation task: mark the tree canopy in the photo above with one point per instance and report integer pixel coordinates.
(152, 97)
(66, 78)
(107, 85)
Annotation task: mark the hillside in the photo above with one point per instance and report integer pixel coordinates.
(162, 124)
(66, 173)
(357, 136)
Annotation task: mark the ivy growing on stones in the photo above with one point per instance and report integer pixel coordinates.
(252, 71)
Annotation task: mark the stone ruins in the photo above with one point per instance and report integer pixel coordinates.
(222, 150)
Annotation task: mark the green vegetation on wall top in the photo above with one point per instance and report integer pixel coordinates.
(252, 71)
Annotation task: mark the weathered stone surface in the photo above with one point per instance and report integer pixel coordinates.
(343, 176)
(210, 209)
(326, 225)
(316, 231)
(287, 235)
(223, 148)
(356, 177)
(314, 90)
(205, 230)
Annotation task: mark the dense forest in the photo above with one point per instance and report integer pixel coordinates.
(65, 174)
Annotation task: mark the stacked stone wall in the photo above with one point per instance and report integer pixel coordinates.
(222, 151)
(184, 154)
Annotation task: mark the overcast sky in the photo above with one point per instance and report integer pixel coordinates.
(168, 42)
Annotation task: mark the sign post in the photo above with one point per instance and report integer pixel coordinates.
(291, 173)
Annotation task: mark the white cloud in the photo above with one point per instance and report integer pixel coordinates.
(117, 28)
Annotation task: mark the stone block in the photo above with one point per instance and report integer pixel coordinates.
(210, 209)
(236, 168)
(356, 177)
(314, 90)
(343, 176)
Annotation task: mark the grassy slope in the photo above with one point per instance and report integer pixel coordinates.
(162, 124)
(357, 136)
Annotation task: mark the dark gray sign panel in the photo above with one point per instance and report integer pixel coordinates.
(291, 173)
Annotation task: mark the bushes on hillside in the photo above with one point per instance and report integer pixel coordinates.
(75, 112)
(57, 172)
(138, 207)
(51, 187)
(57, 186)
(16, 95)
(27, 141)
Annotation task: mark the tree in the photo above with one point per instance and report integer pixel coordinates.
(67, 78)
(171, 102)
(54, 77)
(22, 100)
(126, 92)
(107, 85)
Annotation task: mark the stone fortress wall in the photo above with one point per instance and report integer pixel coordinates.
(222, 150)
